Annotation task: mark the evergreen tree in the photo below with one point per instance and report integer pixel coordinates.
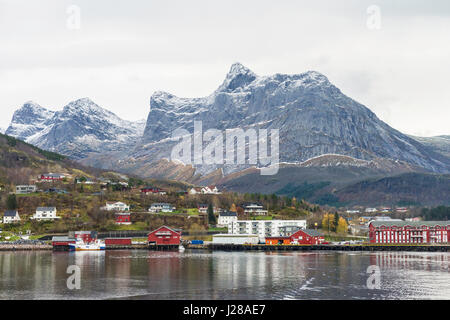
(211, 216)
(11, 202)
(336, 221)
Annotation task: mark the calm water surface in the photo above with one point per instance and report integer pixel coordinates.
(140, 274)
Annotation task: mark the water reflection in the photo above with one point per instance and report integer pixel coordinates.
(224, 275)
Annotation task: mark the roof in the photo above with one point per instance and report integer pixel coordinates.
(312, 232)
(10, 213)
(45, 209)
(123, 213)
(228, 214)
(410, 223)
(161, 204)
(171, 229)
(64, 238)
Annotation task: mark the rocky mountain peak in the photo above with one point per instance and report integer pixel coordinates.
(239, 76)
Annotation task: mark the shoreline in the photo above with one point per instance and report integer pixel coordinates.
(244, 248)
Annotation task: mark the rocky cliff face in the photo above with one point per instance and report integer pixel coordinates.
(314, 118)
(80, 129)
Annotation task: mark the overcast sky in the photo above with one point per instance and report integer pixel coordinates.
(123, 51)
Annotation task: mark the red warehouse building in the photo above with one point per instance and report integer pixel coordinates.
(123, 218)
(164, 236)
(409, 231)
(118, 241)
(61, 243)
(302, 236)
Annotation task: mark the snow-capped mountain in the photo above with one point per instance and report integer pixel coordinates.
(29, 120)
(81, 128)
(314, 118)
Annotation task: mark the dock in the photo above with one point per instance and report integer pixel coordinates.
(25, 247)
(368, 247)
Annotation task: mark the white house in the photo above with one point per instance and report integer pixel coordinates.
(264, 228)
(116, 206)
(226, 218)
(11, 216)
(45, 213)
(255, 209)
(161, 207)
(25, 189)
(203, 209)
(205, 190)
(371, 210)
(352, 211)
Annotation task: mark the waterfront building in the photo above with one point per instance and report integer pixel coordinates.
(409, 232)
(235, 239)
(86, 236)
(263, 228)
(164, 236)
(305, 236)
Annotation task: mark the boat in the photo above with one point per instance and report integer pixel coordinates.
(181, 248)
(80, 245)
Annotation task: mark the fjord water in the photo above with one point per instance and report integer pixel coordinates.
(140, 274)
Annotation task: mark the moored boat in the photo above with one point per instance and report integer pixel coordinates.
(80, 245)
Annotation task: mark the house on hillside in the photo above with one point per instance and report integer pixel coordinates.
(203, 209)
(45, 213)
(152, 190)
(52, 177)
(161, 207)
(226, 218)
(11, 216)
(204, 190)
(255, 209)
(123, 218)
(26, 189)
(116, 206)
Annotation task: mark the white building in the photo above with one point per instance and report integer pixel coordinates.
(161, 207)
(263, 228)
(11, 216)
(226, 218)
(205, 190)
(116, 206)
(26, 189)
(352, 211)
(235, 239)
(255, 209)
(371, 210)
(45, 213)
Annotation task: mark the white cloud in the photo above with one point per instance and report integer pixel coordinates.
(125, 51)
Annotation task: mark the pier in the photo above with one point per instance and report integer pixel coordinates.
(369, 247)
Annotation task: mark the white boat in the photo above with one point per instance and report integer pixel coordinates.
(80, 245)
(181, 248)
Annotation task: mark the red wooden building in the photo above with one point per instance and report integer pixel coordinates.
(302, 236)
(164, 236)
(409, 231)
(52, 177)
(117, 241)
(61, 243)
(152, 190)
(86, 236)
(123, 218)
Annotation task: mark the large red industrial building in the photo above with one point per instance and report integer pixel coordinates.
(409, 232)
